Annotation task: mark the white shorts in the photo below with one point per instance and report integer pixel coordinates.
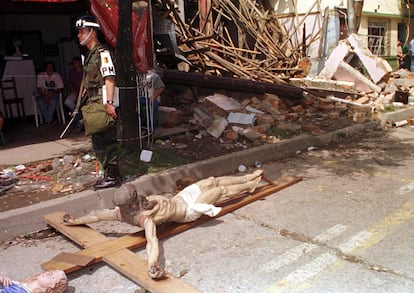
(195, 210)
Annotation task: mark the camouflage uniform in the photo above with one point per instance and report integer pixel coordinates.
(104, 143)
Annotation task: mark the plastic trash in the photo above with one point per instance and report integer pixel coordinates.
(145, 156)
(242, 168)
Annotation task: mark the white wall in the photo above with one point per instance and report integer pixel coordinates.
(383, 6)
(391, 10)
(303, 6)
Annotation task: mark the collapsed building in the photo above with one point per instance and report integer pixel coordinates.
(290, 67)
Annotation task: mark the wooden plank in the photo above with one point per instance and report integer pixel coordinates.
(79, 234)
(116, 254)
(97, 250)
(136, 269)
(72, 258)
(109, 246)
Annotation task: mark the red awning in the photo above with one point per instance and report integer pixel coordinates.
(106, 13)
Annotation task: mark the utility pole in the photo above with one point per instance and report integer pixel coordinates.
(351, 17)
(358, 5)
(126, 77)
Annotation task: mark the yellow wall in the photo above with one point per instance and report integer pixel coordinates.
(391, 12)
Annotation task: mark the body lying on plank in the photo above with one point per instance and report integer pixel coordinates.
(186, 206)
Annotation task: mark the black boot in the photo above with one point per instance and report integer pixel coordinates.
(112, 179)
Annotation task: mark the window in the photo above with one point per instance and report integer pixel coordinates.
(377, 32)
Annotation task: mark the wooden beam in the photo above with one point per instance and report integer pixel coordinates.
(114, 252)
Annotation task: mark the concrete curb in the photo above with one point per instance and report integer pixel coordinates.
(399, 115)
(29, 219)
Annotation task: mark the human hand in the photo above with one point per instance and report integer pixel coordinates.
(6, 282)
(68, 220)
(156, 272)
(110, 110)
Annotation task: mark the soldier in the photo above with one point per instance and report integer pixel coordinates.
(99, 71)
(186, 206)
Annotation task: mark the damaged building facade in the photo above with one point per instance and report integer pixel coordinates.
(313, 27)
(290, 42)
(379, 23)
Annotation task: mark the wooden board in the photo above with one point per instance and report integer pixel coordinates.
(96, 244)
(136, 269)
(72, 258)
(116, 253)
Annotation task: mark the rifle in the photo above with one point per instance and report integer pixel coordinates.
(76, 114)
(75, 117)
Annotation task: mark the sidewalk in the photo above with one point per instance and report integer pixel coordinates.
(25, 143)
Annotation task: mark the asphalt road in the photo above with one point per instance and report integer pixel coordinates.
(346, 227)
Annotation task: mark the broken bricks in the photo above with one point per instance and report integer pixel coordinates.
(255, 116)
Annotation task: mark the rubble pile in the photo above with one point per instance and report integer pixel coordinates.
(353, 75)
(248, 42)
(268, 118)
(263, 50)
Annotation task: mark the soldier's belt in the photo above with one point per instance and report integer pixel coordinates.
(94, 92)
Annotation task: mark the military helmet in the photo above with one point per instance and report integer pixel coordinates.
(87, 21)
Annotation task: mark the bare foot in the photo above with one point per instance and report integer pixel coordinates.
(258, 172)
(255, 183)
(253, 175)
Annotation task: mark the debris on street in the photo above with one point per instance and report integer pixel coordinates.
(40, 181)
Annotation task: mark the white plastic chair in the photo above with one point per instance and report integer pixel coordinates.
(59, 111)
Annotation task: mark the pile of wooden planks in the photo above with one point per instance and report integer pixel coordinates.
(239, 39)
